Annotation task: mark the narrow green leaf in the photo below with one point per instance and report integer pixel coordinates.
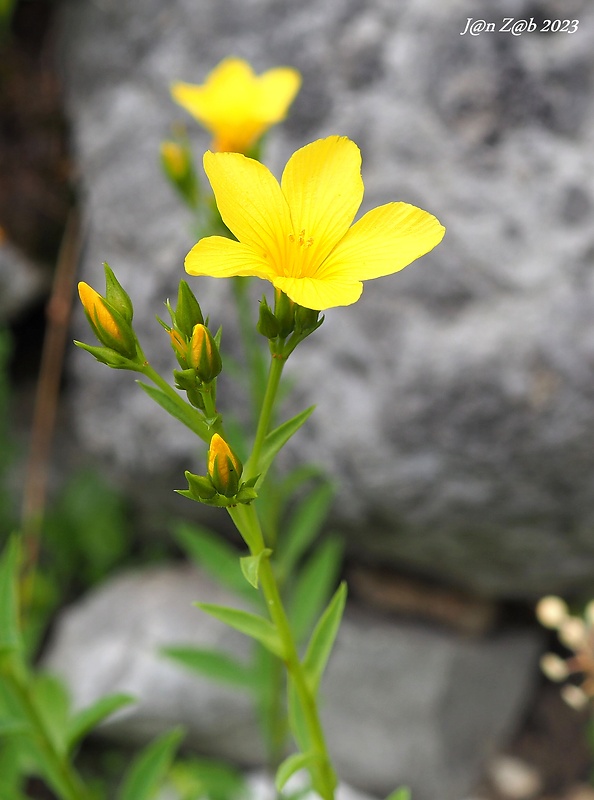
(215, 555)
(213, 664)
(250, 624)
(296, 718)
(9, 726)
(402, 793)
(277, 438)
(293, 764)
(322, 639)
(304, 526)
(10, 635)
(313, 585)
(150, 767)
(250, 566)
(187, 415)
(85, 720)
(52, 703)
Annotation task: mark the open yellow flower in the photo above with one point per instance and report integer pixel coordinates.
(298, 235)
(236, 105)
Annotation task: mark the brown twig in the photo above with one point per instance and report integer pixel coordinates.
(48, 389)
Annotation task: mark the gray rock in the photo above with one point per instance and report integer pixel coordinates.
(402, 704)
(458, 412)
(22, 282)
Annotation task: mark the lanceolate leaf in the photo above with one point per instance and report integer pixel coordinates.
(322, 639)
(276, 439)
(214, 665)
(250, 566)
(84, 721)
(150, 767)
(215, 555)
(293, 764)
(252, 625)
(10, 637)
(402, 793)
(304, 526)
(188, 416)
(313, 585)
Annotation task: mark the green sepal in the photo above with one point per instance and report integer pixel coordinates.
(268, 325)
(200, 487)
(185, 379)
(116, 296)
(250, 566)
(85, 720)
(148, 769)
(105, 355)
(191, 418)
(293, 764)
(322, 639)
(188, 312)
(249, 624)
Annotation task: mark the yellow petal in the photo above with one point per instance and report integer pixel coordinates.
(383, 241)
(251, 204)
(220, 257)
(318, 295)
(323, 186)
(276, 91)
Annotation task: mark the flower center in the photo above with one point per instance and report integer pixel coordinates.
(298, 255)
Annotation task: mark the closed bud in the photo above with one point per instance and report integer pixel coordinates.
(188, 312)
(176, 160)
(224, 468)
(109, 326)
(284, 311)
(203, 354)
(268, 325)
(306, 320)
(180, 347)
(116, 296)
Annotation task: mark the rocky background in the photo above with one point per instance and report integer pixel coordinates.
(454, 401)
(460, 409)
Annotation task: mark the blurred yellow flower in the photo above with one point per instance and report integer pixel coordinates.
(298, 235)
(236, 105)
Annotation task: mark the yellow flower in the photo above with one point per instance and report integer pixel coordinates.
(298, 235)
(236, 105)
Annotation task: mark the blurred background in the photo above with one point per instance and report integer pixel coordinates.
(455, 401)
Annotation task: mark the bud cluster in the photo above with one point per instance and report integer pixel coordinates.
(222, 485)
(576, 633)
(110, 318)
(196, 349)
(287, 325)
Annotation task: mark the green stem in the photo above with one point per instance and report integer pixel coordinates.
(323, 772)
(274, 376)
(254, 355)
(71, 783)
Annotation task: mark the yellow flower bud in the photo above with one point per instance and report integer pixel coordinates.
(224, 468)
(174, 159)
(108, 325)
(179, 346)
(203, 354)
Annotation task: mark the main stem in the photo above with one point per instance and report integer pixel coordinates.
(246, 518)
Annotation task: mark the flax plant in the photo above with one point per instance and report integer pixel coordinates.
(298, 235)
